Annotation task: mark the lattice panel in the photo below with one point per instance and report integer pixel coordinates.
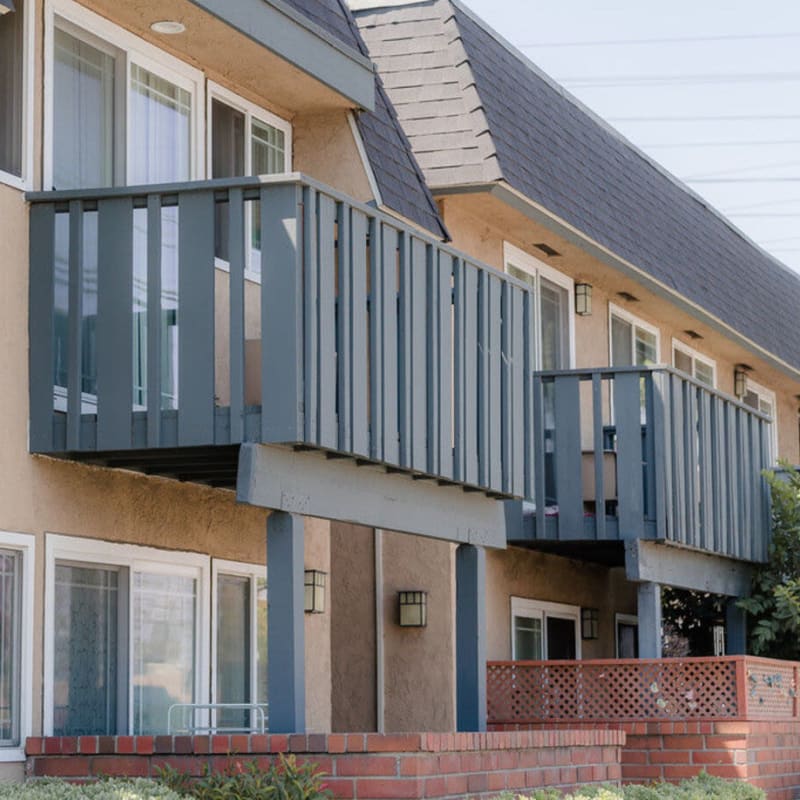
(771, 689)
(624, 690)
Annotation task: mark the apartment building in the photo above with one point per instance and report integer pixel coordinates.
(244, 362)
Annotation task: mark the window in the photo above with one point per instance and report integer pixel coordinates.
(633, 342)
(16, 92)
(763, 400)
(128, 634)
(693, 363)
(244, 140)
(239, 656)
(16, 642)
(554, 308)
(544, 631)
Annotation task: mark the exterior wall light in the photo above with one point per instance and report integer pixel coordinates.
(583, 299)
(413, 607)
(6, 6)
(740, 380)
(315, 591)
(590, 623)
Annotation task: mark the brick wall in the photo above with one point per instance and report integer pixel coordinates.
(766, 754)
(358, 766)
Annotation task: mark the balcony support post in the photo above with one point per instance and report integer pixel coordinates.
(649, 602)
(470, 638)
(735, 629)
(285, 623)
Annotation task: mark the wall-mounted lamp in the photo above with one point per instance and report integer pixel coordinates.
(413, 607)
(6, 6)
(583, 299)
(740, 379)
(315, 591)
(590, 623)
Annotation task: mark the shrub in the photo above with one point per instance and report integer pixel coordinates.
(107, 789)
(281, 781)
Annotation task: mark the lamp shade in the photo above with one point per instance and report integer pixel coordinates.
(314, 591)
(413, 608)
(583, 299)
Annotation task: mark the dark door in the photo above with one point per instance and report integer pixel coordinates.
(560, 639)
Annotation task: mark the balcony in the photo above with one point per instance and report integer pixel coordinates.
(642, 690)
(169, 324)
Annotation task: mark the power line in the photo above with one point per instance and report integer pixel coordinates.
(712, 118)
(765, 204)
(744, 180)
(759, 214)
(662, 40)
(761, 142)
(618, 81)
(734, 170)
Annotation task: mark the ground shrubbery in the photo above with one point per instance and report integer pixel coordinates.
(109, 789)
(703, 787)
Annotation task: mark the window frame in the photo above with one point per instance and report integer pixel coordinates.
(254, 572)
(767, 394)
(695, 355)
(529, 607)
(24, 182)
(136, 558)
(516, 257)
(635, 322)
(128, 48)
(25, 544)
(215, 91)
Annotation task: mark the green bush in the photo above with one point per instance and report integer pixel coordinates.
(281, 781)
(107, 789)
(703, 787)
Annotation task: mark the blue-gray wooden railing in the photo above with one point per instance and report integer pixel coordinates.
(377, 341)
(685, 461)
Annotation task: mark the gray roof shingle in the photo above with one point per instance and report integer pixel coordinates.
(545, 144)
(399, 178)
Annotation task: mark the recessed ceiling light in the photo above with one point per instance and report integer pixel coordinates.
(168, 26)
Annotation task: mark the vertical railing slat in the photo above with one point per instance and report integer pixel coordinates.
(326, 327)
(718, 483)
(404, 338)
(662, 456)
(195, 318)
(599, 457)
(690, 464)
(567, 453)
(519, 432)
(627, 417)
(75, 346)
(419, 355)
(471, 374)
(376, 341)
(40, 325)
(154, 313)
(388, 315)
(506, 379)
(359, 355)
(344, 320)
(236, 330)
(282, 347)
(533, 444)
(678, 474)
(539, 496)
(114, 336)
(310, 315)
(484, 406)
(494, 388)
(459, 377)
(445, 337)
(705, 468)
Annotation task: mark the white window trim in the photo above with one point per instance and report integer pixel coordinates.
(626, 316)
(24, 543)
(254, 572)
(767, 394)
(136, 558)
(523, 260)
(25, 181)
(527, 607)
(132, 49)
(215, 91)
(695, 355)
(622, 619)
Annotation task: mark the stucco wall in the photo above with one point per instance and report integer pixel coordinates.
(418, 662)
(353, 653)
(540, 576)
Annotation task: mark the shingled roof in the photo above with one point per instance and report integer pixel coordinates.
(477, 111)
(397, 174)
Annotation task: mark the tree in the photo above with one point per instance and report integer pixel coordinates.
(774, 604)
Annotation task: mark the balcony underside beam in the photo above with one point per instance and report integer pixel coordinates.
(680, 567)
(305, 482)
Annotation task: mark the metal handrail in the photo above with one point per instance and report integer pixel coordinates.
(260, 710)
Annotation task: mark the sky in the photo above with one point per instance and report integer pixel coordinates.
(709, 89)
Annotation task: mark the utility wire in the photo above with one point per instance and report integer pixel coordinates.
(734, 170)
(796, 215)
(744, 180)
(712, 118)
(766, 203)
(662, 40)
(619, 81)
(751, 143)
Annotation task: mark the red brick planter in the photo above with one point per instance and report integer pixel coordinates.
(360, 766)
